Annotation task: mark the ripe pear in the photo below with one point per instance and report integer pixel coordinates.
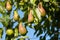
(30, 16)
(16, 15)
(8, 6)
(22, 29)
(41, 9)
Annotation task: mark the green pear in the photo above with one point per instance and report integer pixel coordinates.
(9, 32)
(15, 16)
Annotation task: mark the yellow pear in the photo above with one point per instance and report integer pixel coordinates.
(41, 9)
(16, 15)
(8, 6)
(22, 29)
(30, 16)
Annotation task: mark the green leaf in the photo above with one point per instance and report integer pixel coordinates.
(2, 9)
(5, 20)
(46, 0)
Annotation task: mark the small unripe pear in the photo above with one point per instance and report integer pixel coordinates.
(16, 32)
(22, 29)
(9, 32)
(30, 16)
(8, 6)
(41, 9)
(16, 15)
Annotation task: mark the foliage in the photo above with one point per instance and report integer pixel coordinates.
(44, 14)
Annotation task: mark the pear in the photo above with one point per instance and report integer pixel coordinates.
(16, 32)
(41, 9)
(8, 6)
(15, 16)
(30, 16)
(9, 32)
(22, 29)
